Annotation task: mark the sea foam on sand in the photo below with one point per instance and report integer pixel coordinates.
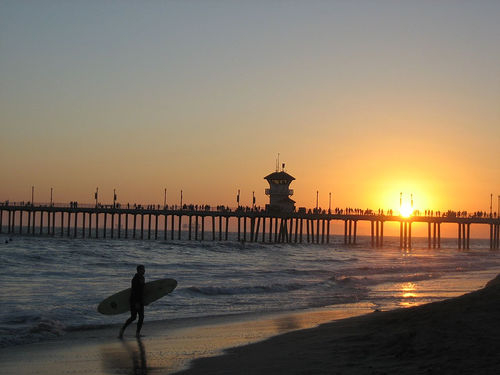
(456, 336)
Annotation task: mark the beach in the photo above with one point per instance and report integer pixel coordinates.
(457, 335)
(271, 297)
(165, 348)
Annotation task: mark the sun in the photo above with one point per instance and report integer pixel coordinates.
(406, 210)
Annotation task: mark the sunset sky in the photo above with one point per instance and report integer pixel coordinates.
(363, 99)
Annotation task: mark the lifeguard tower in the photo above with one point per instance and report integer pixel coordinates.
(279, 191)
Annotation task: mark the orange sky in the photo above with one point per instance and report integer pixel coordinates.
(363, 100)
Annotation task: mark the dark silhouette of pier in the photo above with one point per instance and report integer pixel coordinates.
(207, 223)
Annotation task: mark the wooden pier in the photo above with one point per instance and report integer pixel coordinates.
(206, 224)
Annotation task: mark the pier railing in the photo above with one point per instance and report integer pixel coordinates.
(221, 208)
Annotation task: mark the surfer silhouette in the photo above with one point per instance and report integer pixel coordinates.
(136, 301)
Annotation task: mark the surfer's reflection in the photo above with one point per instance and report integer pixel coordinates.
(129, 359)
(140, 363)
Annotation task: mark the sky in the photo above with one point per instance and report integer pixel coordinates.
(361, 99)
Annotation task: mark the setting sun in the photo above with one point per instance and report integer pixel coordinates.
(406, 210)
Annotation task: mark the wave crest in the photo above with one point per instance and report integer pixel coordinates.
(256, 289)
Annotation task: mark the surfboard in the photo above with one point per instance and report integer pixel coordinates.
(119, 303)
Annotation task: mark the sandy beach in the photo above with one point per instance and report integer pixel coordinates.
(459, 335)
(166, 348)
(455, 336)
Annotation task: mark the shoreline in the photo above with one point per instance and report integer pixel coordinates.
(168, 347)
(171, 346)
(457, 335)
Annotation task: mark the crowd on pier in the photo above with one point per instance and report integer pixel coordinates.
(257, 209)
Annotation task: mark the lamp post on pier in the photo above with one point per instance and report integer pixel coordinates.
(317, 198)
(96, 195)
(165, 199)
(181, 199)
(114, 198)
(491, 205)
(51, 190)
(33, 195)
(329, 203)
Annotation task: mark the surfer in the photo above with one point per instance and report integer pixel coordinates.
(136, 301)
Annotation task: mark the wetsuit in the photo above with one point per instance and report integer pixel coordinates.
(136, 302)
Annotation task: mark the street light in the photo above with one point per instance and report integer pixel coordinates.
(329, 202)
(114, 198)
(32, 195)
(96, 195)
(317, 197)
(165, 199)
(51, 189)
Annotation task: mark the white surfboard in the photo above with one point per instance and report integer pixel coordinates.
(119, 303)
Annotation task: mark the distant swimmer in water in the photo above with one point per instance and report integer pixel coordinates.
(136, 302)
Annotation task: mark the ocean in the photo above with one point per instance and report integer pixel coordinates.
(50, 286)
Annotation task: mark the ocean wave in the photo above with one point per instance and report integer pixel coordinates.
(345, 279)
(256, 289)
(29, 330)
(87, 327)
(307, 272)
(47, 326)
(383, 278)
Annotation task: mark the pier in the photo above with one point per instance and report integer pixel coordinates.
(207, 224)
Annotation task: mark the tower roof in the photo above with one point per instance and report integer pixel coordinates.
(279, 176)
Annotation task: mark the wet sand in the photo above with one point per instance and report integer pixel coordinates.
(455, 336)
(167, 347)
